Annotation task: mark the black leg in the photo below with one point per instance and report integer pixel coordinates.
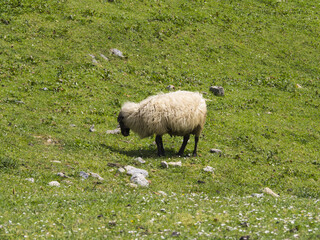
(184, 144)
(159, 145)
(196, 140)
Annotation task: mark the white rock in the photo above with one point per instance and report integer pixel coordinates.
(258, 195)
(56, 161)
(61, 174)
(140, 160)
(162, 193)
(270, 192)
(96, 175)
(121, 170)
(175, 164)
(30, 179)
(115, 131)
(133, 171)
(116, 52)
(54, 184)
(92, 129)
(208, 169)
(217, 151)
(140, 180)
(164, 164)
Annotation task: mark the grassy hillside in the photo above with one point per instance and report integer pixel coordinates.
(58, 78)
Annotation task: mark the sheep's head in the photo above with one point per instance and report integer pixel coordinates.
(124, 130)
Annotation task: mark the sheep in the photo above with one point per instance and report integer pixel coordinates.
(179, 113)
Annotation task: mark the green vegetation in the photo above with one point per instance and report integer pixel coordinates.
(55, 83)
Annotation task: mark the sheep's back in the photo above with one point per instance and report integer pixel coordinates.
(177, 113)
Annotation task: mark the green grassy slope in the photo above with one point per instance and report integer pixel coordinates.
(266, 55)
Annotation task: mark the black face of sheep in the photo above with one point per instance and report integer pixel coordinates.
(124, 130)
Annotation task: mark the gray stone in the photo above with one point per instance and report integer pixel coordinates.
(139, 179)
(218, 91)
(92, 129)
(117, 52)
(170, 87)
(95, 175)
(164, 164)
(133, 171)
(61, 174)
(140, 160)
(84, 175)
(217, 151)
(175, 164)
(208, 169)
(54, 184)
(114, 131)
(121, 170)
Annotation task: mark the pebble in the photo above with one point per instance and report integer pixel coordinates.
(139, 179)
(84, 175)
(121, 170)
(116, 52)
(114, 131)
(61, 174)
(104, 57)
(54, 184)
(258, 195)
(270, 192)
(170, 87)
(217, 151)
(96, 175)
(56, 161)
(175, 164)
(208, 169)
(218, 91)
(134, 171)
(164, 164)
(92, 129)
(140, 160)
(30, 179)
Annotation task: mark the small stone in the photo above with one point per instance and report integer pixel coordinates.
(61, 174)
(30, 180)
(95, 175)
(114, 131)
(121, 170)
(54, 184)
(84, 175)
(170, 87)
(133, 171)
(175, 164)
(175, 234)
(140, 160)
(104, 57)
(92, 129)
(45, 89)
(208, 169)
(162, 193)
(164, 164)
(133, 185)
(73, 125)
(245, 237)
(298, 86)
(162, 210)
(116, 52)
(217, 151)
(140, 180)
(258, 195)
(270, 192)
(56, 161)
(218, 91)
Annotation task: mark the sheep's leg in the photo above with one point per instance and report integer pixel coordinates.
(196, 140)
(184, 144)
(160, 145)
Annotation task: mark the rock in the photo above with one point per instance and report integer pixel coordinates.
(118, 165)
(114, 131)
(208, 169)
(140, 160)
(245, 237)
(164, 164)
(218, 91)
(170, 87)
(270, 192)
(56, 161)
(175, 234)
(61, 174)
(217, 151)
(92, 129)
(298, 86)
(95, 175)
(116, 52)
(175, 164)
(133, 185)
(73, 125)
(162, 193)
(258, 195)
(134, 171)
(54, 184)
(140, 180)
(45, 89)
(104, 57)
(30, 179)
(121, 170)
(84, 175)
(94, 60)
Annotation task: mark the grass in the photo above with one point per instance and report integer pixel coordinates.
(264, 53)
